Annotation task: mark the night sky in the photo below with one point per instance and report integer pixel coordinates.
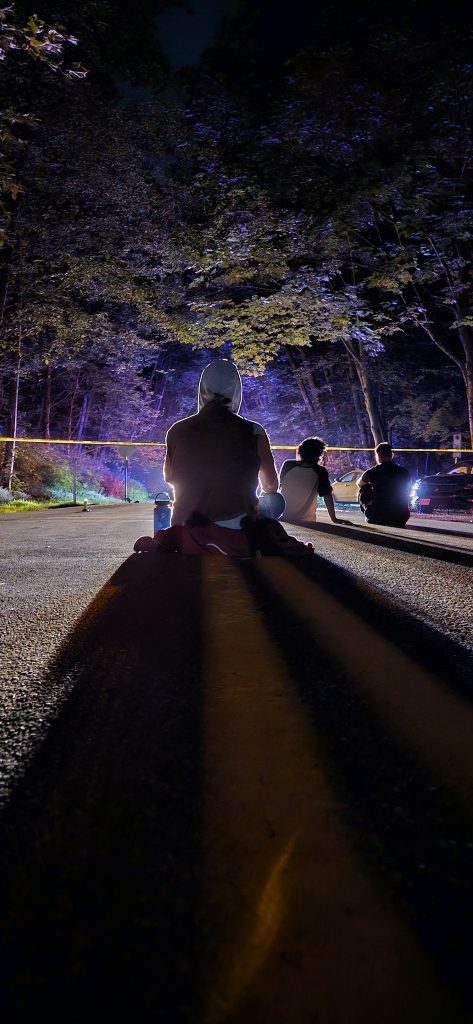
(185, 33)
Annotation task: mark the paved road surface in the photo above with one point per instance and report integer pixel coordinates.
(235, 792)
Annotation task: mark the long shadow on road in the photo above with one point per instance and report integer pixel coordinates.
(441, 531)
(101, 841)
(437, 651)
(406, 824)
(376, 535)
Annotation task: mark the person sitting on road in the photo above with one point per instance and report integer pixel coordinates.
(214, 458)
(384, 490)
(214, 461)
(258, 536)
(303, 480)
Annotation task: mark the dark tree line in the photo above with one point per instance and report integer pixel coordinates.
(301, 200)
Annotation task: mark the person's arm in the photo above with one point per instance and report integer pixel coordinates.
(329, 505)
(286, 466)
(267, 471)
(325, 491)
(167, 470)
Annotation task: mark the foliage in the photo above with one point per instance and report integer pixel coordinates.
(294, 207)
(26, 505)
(42, 474)
(44, 44)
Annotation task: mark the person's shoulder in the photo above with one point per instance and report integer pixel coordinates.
(286, 468)
(179, 425)
(256, 427)
(400, 469)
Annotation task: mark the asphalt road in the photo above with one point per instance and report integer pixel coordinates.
(236, 792)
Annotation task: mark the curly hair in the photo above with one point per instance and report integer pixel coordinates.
(311, 449)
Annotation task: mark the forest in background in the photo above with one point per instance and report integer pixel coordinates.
(299, 199)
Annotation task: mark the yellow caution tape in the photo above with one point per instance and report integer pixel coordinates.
(55, 440)
(333, 448)
(276, 447)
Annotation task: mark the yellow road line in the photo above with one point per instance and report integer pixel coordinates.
(437, 722)
(299, 930)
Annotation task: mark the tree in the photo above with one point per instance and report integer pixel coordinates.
(42, 44)
(387, 165)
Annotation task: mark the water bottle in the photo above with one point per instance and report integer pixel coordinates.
(162, 511)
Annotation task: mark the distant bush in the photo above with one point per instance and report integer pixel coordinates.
(34, 472)
(61, 493)
(137, 491)
(6, 496)
(97, 498)
(43, 473)
(60, 481)
(110, 484)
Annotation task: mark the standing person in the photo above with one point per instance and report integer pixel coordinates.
(384, 490)
(215, 458)
(303, 480)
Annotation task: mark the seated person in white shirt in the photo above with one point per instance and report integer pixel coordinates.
(301, 482)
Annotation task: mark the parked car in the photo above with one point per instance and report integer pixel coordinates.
(450, 489)
(345, 489)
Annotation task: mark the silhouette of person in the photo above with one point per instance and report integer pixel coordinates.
(215, 458)
(303, 480)
(384, 490)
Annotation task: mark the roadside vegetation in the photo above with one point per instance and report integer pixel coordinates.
(25, 505)
(45, 479)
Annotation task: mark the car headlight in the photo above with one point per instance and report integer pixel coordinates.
(415, 487)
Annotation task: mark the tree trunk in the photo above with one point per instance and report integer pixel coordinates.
(8, 252)
(463, 360)
(306, 397)
(8, 462)
(84, 415)
(382, 413)
(376, 426)
(466, 338)
(8, 465)
(359, 414)
(71, 408)
(468, 378)
(46, 411)
(159, 392)
(330, 402)
(311, 387)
